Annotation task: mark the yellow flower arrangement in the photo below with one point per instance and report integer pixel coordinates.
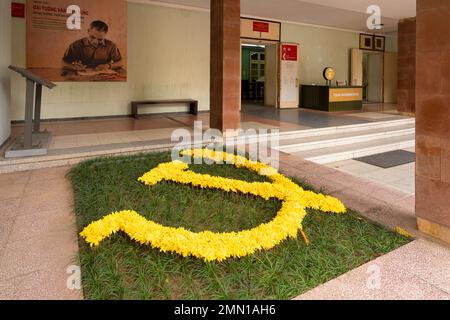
(208, 245)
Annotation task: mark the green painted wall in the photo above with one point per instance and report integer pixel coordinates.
(245, 63)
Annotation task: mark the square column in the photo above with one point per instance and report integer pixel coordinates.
(433, 118)
(225, 64)
(407, 66)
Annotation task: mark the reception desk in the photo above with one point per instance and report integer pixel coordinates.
(331, 99)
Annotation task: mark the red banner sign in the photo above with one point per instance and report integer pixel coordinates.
(17, 10)
(259, 26)
(289, 52)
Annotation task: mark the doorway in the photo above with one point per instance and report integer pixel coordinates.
(373, 68)
(259, 76)
(376, 72)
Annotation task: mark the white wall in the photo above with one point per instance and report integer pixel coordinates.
(168, 52)
(5, 61)
(321, 48)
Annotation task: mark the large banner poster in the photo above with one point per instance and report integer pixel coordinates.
(77, 40)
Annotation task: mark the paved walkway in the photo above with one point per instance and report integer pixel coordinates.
(38, 239)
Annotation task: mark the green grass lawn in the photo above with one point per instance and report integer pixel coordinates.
(122, 269)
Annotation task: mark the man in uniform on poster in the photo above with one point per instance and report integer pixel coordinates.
(93, 52)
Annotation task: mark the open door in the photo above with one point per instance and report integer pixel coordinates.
(390, 77)
(289, 75)
(356, 67)
(375, 77)
(271, 76)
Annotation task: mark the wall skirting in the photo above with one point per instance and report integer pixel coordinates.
(433, 229)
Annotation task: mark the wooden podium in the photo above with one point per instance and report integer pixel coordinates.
(33, 142)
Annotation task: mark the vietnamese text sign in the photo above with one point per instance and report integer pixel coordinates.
(17, 10)
(260, 29)
(289, 52)
(259, 26)
(345, 94)
(77, 40)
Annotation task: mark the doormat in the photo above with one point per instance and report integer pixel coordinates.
(389, 159)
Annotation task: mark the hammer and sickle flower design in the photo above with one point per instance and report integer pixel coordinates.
(211, 246)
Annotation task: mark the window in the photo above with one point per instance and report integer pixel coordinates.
(257, 66)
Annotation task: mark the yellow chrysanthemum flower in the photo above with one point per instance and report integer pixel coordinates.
(208, 245)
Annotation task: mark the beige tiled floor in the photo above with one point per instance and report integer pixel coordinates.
(38, 239)
(374, 115)
(97, 139)
(108, 138)
(389, 108)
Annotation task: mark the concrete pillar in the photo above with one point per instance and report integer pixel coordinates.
(407, 66)
(433, 118)
(5, 61)
(225, 64)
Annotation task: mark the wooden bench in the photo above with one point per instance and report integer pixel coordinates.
(193, 105)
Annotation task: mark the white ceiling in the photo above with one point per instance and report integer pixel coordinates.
(341, 14)
(397, 9)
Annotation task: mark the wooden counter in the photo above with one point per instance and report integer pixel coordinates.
(326, 98)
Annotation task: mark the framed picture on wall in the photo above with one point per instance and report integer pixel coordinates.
(379, 43)
(366, 41)
(88, 43)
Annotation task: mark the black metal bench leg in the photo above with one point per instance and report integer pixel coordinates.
(29, 106)
(37, 109)
(194, 108)
(134, 110)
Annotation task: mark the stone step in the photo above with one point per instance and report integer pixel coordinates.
(309, 135)
(380, 125)
(355, 150)
(344, 138)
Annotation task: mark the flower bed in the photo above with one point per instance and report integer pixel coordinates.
(209, 245)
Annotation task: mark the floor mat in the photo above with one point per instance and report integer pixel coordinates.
(389, 159)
